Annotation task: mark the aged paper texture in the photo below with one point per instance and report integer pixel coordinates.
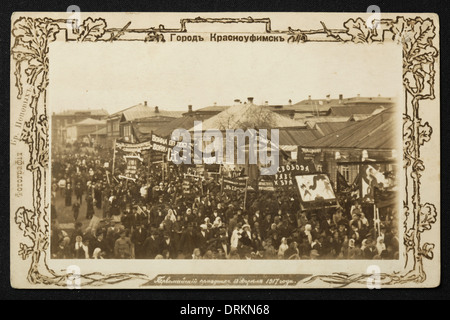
(224, 150)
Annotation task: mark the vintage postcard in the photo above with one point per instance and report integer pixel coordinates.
(224, 150)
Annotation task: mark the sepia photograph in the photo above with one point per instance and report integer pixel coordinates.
(223, 151)
(117, 193)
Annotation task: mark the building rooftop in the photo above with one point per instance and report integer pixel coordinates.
(88, 112)
(89, 122)
(376, 132)
(249, 115)
(296, 137)
(326, 128)
(348, 111)
(185, 122)
(140, 111)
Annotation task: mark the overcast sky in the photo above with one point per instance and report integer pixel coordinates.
(114, 76)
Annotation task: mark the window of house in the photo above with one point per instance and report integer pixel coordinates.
(126, 131)
(345, 170)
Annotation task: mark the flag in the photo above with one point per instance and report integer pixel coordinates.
(253, 176)
(384, 197)
(305, 158)
(355, 188)
(341, 184)
(371, 178)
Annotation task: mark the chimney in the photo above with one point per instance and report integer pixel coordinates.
(290, 102)
(266, 103)
(237, 101)
(156, 109)
(250, 99)
(309, 97)
(341, 98)
(358, 95)
(190, 108)
(145, 103)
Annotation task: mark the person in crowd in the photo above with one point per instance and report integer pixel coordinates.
(203, 238)
(138, 238)
(76, 210)
(151, 245)
(123, 247)
(68, 195)
(98, 195)
(380, 245)
(308, 233)
(305, 249)
(81, 248)
(169, 246)
(99, 247)
(62, 186)
(283, 247)
(196, 254)
(89, 207)
(106, 206)
(188, 241)
(368, 251)
(79, 192)
(292, 253)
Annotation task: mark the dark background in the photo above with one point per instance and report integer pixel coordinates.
(286, 297)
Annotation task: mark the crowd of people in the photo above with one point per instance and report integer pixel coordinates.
(156, 217)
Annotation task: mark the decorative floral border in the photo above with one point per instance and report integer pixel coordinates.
(30, 47)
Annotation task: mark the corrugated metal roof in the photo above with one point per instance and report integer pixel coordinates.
(296, 137)
(329, 127)
(312, 121)
(93, 112)
(377, 132)
(315, 105)
(212, 109)
(379, 100)
(274, 108)
(143, 130)
(359, 117)
(89, 122)
(348, 111)
(140, 111)
(179, 123)
(349, 100)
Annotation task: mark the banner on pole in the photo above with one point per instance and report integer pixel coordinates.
(234, 184)
(127, 178)
(186, 186)
(134, 147)
(285, 176)
(315, 188)
(371, 178)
